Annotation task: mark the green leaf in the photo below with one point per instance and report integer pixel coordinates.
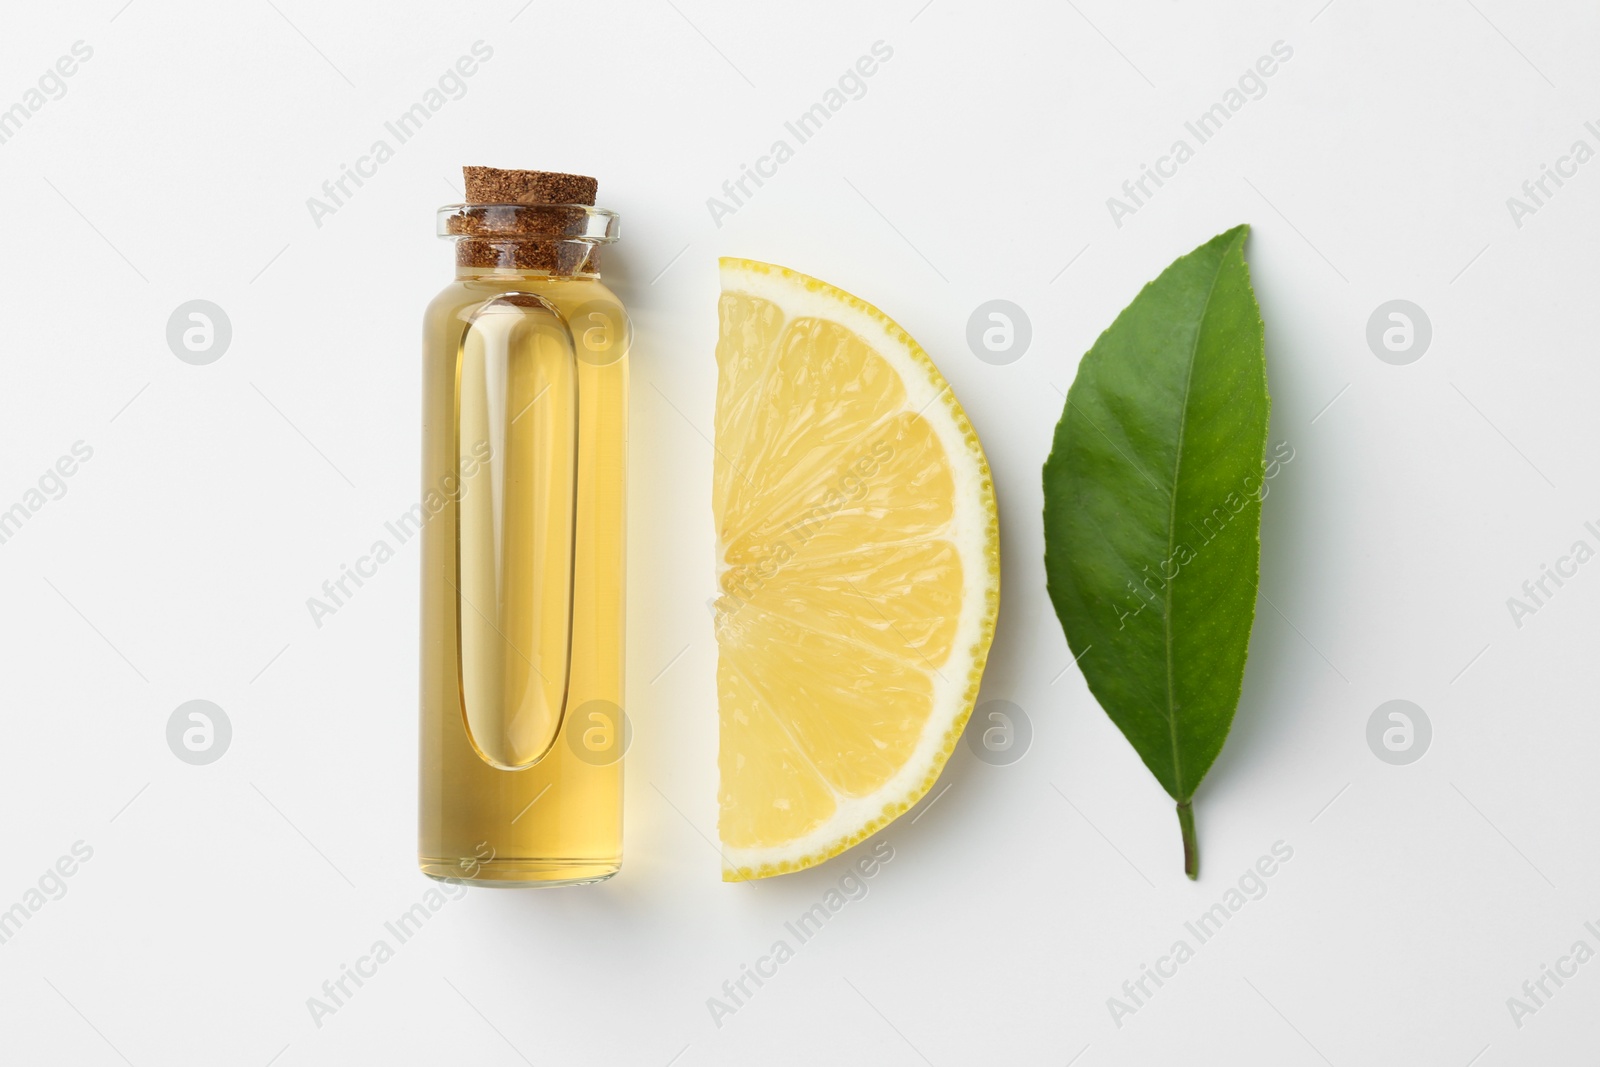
(1152, 513)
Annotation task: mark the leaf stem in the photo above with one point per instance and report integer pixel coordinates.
(1191, 846)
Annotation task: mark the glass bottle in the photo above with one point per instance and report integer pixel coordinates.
(524, 411)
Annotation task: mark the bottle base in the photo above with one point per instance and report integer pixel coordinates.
(518, 874)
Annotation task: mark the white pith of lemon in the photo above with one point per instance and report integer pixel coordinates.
(858, 569)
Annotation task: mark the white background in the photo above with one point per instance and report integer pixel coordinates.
(977, 166)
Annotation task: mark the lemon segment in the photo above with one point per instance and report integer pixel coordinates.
(858, 569)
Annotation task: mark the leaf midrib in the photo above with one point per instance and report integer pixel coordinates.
(1172, 525)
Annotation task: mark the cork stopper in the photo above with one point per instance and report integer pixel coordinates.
(490, 185)
(537, 233)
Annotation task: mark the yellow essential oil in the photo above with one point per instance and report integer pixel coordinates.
(525, 377)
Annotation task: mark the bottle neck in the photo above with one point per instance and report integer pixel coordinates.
(559, 259)
(550, 240)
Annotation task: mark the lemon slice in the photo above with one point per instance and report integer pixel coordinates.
(859, 569)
